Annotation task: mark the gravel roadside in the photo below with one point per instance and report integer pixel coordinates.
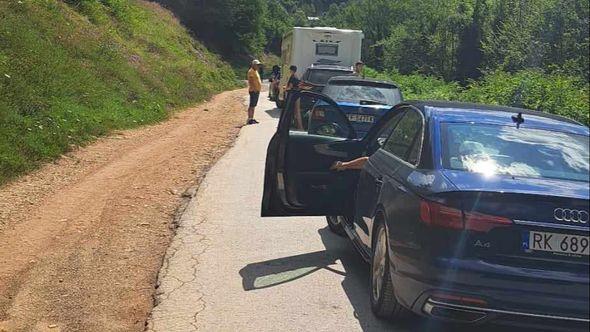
(82, 239)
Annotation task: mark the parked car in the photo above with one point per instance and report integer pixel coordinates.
(466, 213)
(363, 101)
(316, 77)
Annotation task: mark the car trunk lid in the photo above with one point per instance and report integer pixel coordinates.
(551, 213)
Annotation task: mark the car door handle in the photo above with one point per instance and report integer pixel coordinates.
(378, 182)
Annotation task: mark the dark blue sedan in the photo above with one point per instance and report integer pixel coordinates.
(466, 213)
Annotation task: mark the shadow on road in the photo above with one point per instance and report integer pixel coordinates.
(275, 112)
(355, 283)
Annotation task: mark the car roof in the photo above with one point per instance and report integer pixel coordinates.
(330, 67)
(354, 79)
(452, 111)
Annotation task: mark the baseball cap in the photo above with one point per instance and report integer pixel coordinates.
(256, 62)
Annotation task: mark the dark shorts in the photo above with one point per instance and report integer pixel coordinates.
(254, 98)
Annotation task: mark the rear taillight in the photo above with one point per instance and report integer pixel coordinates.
(479, 222)
(436, 214)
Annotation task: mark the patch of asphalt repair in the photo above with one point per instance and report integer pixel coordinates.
(186, 225)
(188, 244)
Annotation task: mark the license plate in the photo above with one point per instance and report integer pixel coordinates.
(557, 243)
(361, 118)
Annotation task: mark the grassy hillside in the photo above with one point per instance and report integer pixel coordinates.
(74, 70)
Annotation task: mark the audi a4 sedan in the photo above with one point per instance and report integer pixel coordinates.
(465, 213)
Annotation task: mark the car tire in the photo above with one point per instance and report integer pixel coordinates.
(280, 103)
(383, 301)
(335, 225)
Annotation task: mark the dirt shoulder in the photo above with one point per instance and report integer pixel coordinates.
(82, 239)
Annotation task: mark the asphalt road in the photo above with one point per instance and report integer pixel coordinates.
(228, 269)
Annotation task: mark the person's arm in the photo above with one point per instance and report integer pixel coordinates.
(358, 163)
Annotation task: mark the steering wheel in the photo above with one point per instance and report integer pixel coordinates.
(329, 129)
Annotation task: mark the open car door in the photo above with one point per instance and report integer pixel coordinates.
(312, 134)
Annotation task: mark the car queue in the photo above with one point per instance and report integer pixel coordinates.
(465, 213)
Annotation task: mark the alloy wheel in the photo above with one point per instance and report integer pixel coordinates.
(379, 261)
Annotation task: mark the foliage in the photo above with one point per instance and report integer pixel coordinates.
(243, 29)
(458, 39)
(72, 71)
(416, 86)
(232, 27)
(555, 93)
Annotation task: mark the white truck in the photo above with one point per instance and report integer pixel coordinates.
(305, 47)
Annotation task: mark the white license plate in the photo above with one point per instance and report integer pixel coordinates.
(361, 118)
(559, 243)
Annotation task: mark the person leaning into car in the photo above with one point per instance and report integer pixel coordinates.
(292, 86)
(358, 163)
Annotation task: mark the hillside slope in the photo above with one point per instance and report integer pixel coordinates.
(74, 70)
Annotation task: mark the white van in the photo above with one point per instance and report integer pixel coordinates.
(304, 47)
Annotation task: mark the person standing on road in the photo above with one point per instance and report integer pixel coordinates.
(293, 82)
(254, 88)
(359, 69)
(275, 79)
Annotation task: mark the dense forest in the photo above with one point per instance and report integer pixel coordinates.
(458, 39)
(452, 39)
(530, 53)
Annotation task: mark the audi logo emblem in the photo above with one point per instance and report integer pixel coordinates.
(575, 216)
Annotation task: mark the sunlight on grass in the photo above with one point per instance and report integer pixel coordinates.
(71, 71)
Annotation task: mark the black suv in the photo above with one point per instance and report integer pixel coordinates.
(316, 77)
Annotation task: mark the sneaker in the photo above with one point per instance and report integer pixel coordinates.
(251, 121)
(254, 121)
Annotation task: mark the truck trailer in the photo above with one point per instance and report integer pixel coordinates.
(306, 47)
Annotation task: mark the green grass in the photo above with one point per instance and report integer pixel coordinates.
(71, 71)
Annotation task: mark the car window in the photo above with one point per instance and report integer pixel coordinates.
(385, 132)
(322, 76)
(526, 152)
(406, 139)
(316, 116)
(359, 93)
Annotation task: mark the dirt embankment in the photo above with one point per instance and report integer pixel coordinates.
(82, 239)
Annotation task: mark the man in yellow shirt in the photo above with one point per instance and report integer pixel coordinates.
(254, 87)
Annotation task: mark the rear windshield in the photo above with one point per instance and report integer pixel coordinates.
(492, 149)
(321, 76)
(352, 92)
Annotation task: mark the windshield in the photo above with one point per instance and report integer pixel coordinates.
(382, 94)
(491, 149)
(322, 76)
